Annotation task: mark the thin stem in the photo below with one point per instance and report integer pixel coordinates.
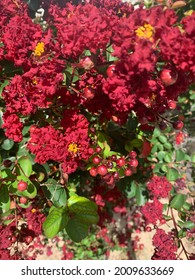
(175, 226)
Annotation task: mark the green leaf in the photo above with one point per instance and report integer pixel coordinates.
(137, 143)
(180, 155)
(162, 139)
(178, 201)
(7, 144)
(164, 168)
(172, 174)
(156, 132)
(4, 84)
(168, 157)
(55, 222)
(25, 166)
(4, 199)
(140, 197)
(76, 229)
(187, 225)
(168, 146)
(132, 191)
(106, 151)
(84, 209)
(161, 155)
(109, 55)
(55, 192)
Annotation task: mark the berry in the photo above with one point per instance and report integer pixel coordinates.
(116, 175)
(128, 172)
(113, 157)
(168, 77)
(110, 70)
(96, 160)
(23, 200)
(109, 164)
(172, 104)
(28, 239)
(7, 163)
(88, 93)
(133, 162)
(22, 186)
(102, 170)
(32, 128)
(141, 246)
(132, 154)
(93, 172)
(120, 162)
(148, 229)
(162, 125)
(178, 125)
(98, 150)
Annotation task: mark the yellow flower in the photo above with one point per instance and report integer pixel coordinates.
(73, 148)
(145, 32)
(39, 49)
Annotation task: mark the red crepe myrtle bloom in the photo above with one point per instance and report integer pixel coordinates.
(152, 211)
(159, 186)
(165, 248)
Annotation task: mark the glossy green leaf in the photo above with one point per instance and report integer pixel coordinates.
(55, 222)
(25, 166)
(4, 199)
(76, 229)
(172, 174)
(178, 201)
(7, 144)
(83, 209)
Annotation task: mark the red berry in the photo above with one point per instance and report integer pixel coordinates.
(162, 125)
(23, 200)
(141, 246)
(132, 154)
(163, 221)
(178, 125)
(168, 77)
(113, 157)
(172, 104)
(110, 70)
(88, 93)
(93, 171)
(148, 229)
(133, 162)
(120, 162)
(28, 239)
(102, 170)
(32, 128)
(22, 186)
(109, 164)
(116, 175)
(96, 160)
(98, 150)
(128, 172)
(7, 163)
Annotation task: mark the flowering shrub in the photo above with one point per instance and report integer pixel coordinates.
(89, 96)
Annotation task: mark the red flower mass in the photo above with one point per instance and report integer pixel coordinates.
(159, 186)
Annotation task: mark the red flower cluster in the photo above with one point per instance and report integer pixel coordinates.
(159, 186)
(68, 149)
(152, 211)
(165, 246)
(51, 75)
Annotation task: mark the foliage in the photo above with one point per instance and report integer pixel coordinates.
(96, 113)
